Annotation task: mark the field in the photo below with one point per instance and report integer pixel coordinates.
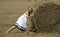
(10, 10)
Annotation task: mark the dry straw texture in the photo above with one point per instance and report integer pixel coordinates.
(47, 18)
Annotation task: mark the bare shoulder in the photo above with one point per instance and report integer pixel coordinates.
(26, 14)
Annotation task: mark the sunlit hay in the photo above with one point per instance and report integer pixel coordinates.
(47, 17)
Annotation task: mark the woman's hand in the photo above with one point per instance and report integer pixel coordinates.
(30, 16)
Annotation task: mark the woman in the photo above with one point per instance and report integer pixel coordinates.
(22, 21)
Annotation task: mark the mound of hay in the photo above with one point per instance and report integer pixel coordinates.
(47, 18)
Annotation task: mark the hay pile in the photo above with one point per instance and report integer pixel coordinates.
(47, 18)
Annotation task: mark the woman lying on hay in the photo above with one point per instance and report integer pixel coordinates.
(22, 20)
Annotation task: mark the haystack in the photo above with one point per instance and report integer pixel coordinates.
(47, 18)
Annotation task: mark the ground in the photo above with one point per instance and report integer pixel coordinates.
(10, 10)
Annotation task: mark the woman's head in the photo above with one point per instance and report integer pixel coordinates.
(30, 9)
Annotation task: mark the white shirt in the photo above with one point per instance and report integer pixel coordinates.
(22, 21)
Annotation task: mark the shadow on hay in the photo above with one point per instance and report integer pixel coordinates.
(47, 18)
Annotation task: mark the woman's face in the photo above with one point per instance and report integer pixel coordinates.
(30, 9)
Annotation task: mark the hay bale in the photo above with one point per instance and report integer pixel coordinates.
(47, 17)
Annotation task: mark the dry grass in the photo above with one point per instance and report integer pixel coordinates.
(10, 10)
(47, 18)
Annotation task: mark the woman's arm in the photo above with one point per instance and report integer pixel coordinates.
(30, 16)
